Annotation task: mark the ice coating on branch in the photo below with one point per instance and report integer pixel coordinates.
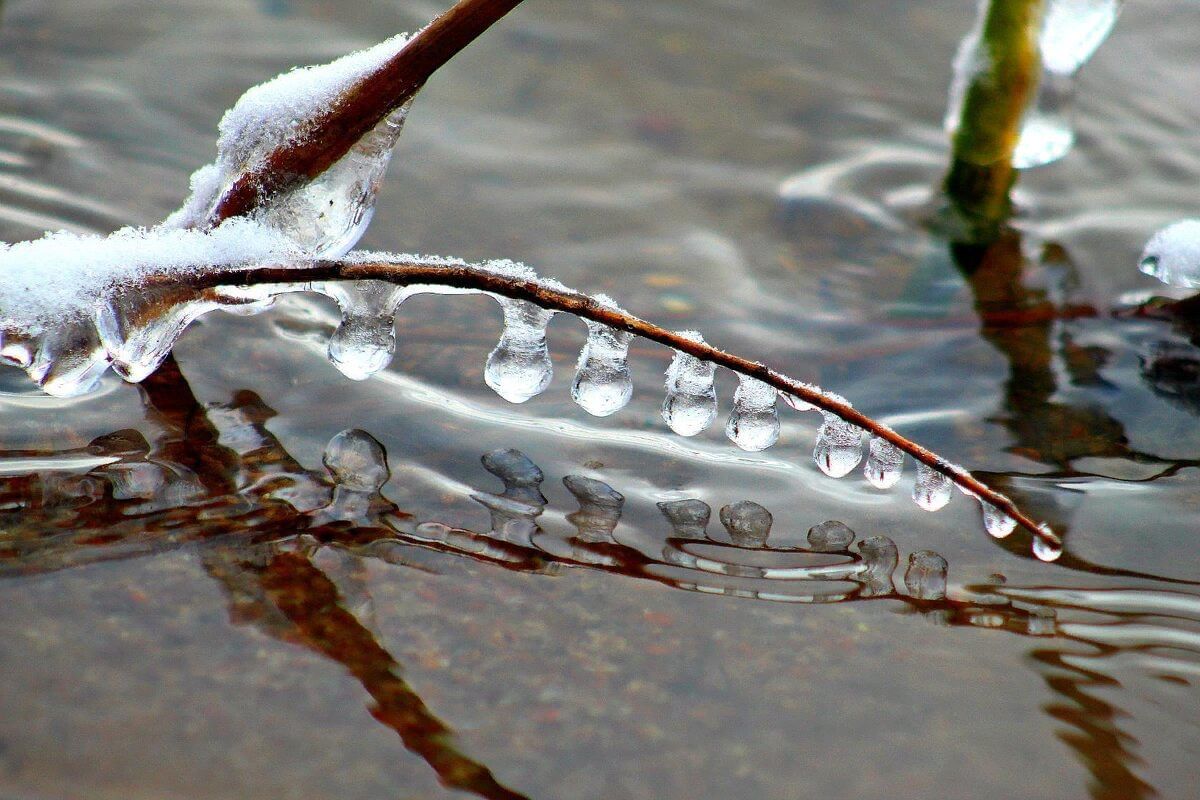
(71, 304)
(753, 424)
(602, 383)
(519, 367)
(691, 402)
(1046, 550)
(932, 489)
(365, 340)
(838, 448)
(1071, 32)
(885, 463)
(325, 216)
(1173, 254)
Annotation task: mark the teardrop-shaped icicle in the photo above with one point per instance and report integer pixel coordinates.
(519, 367)
(996, 522)
(839, 446)
(1044, 550)
(365, 340)
(139, 331)
(602, 383)
(69, 360)
(932, 489)
(753, 424)
(691, 402)
(885, 463)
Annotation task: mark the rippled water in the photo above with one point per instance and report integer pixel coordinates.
(192, 608)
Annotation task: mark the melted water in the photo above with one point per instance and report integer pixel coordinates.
(204, 597)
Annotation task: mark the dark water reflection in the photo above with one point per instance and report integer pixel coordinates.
(205, 595)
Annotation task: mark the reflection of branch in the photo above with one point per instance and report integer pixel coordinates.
(464, 276)
(310, 601)
(363, 106)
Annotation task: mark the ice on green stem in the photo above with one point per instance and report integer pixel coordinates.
(691, 402)
(519, 367)
(602, 383)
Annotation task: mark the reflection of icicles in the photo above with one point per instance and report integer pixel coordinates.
(748, 523)
(838, 448)
(925, 577)
(688, 518)
(753, 424)
(600, 508)
(881, 557)
(885, 463)
(932, 489)
(521, 477)
(519, 367)
(830, 537)
(602, 383)
(691, 402)
(365, 340)
(358, 465)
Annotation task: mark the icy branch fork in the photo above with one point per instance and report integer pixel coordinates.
(299, 164)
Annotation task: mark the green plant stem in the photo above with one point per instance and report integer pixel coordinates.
(981, 171)
(363, 106)
(473, 278)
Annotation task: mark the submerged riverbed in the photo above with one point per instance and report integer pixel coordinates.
(202, 596)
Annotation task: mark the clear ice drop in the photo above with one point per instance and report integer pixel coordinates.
(753, 424)
(1173, 255)
(519, 367)
(748, 523)
(691, 402)
(838, 448)
(1046, 551)
(932, 489)
(996, 522)
(830, 537)
(365, 339)
(602, 383)
(925, 577)
(885, 463)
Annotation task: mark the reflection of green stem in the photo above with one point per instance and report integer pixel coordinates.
(981, 171)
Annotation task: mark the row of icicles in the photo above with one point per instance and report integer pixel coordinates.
(518, 369)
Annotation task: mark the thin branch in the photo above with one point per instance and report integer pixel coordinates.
(463, 276)
(362, 107)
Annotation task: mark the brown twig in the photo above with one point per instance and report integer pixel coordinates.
(362, 107)
(463, 276)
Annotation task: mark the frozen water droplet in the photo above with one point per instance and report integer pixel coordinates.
(932, 489)
(996, 522)
(1173, 255)
(748, 523)
(519, 368)
(880, 555)
(691, 402)
(365, 340)
(603, 384)
(1045, 550)
(885, 463)
(521, 477)
(1072, 30)
(839, 446)
(357, 461)
(925, 577)
(1047, 132)
(688, 518)
(830, 537)
(600, 507)
(753, 424)
(69, 360)
(139, 333)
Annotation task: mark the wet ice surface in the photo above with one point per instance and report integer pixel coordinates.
(578, 681)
